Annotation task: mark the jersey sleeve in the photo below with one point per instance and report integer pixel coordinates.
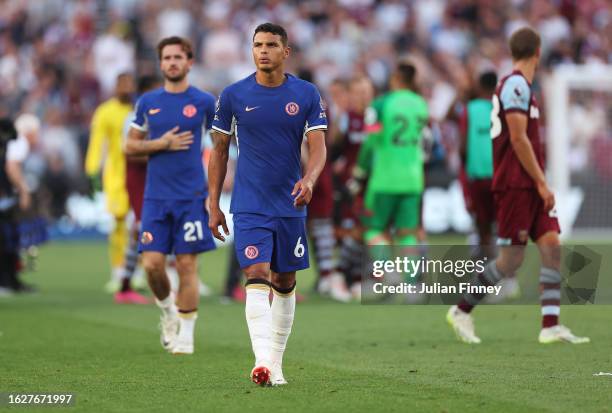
(223, 120)
(316, 118)
(17, 150)
(210, 112)
(139, 120)
(515, 94)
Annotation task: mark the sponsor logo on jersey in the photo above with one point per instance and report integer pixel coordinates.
(146, 238)
(292, 108)
(154, 111)
(248, 109)
(189, 111)
(251, 252)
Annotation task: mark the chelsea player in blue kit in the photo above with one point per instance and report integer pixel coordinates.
(270, 113)
(174, 217)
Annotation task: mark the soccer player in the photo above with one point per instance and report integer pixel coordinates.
(270, 112)
(105, 143)
(524, 203)
(353, 131)
(393, 157)
(135, 178)
(173, 213)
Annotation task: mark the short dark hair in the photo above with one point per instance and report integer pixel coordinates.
(146, 83)
(407, 73)
(184, 43)
(488, 81)
(524, 43)
(274, 29)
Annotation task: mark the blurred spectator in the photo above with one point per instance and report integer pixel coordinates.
(59, 58)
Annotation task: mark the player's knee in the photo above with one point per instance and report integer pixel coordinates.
(186, 266)
(510, 259)
(283, 281)
(153, 266)
(255, 272)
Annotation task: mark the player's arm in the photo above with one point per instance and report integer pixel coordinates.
(317, 154)
(15, 176)
(217, 169)
(172, 140)
(517, 124)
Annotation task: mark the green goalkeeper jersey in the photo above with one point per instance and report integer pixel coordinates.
(392, 155)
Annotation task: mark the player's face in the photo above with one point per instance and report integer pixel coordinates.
(125, 87)
(174, 63)
(361, 92)
(269, 53)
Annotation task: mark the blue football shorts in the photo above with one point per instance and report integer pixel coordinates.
(281, 241)
(175, 226)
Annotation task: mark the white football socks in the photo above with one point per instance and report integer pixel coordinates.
(167, 305)
(259, 319)
(187, 326)
(283, 312)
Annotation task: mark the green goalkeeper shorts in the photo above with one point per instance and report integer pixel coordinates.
(398, 211)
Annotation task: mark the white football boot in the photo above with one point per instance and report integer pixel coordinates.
(277, 378)
(335, 286)
(463, 325)
(560, 334)
(169, 327)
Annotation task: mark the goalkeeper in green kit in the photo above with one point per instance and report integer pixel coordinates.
(391, 159)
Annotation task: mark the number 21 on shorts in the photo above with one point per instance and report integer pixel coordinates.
(193, 231)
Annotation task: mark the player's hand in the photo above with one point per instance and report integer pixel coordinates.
(216, 219)
(176, 141)
(547, 196)
(303, 190)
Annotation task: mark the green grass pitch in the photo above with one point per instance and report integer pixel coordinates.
(345, 358)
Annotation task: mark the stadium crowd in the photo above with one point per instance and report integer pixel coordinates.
(60, 58)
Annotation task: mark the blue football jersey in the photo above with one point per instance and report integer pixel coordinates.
(269, 124)
(175, 174)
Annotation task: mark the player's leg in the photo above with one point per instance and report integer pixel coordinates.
(550, 292)
(253, 241)
(515, 215)
(283, 313)
(330, 281)
(187, 301)
(258, 314)
(190, 237)
(117, 243)
(406, 222)
(127, 295)
(155, 243)
(290, 255)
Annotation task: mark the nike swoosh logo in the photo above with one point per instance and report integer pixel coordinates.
(248, 109)
(153, 111)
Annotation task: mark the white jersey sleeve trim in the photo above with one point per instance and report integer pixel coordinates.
(143, 128)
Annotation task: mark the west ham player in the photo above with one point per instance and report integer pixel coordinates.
(270, 112)
(353, 130)
(523, 201)
(173, 214)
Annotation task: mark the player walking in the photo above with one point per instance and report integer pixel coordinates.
(270, 112)
(173, 213)
(524, 203)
